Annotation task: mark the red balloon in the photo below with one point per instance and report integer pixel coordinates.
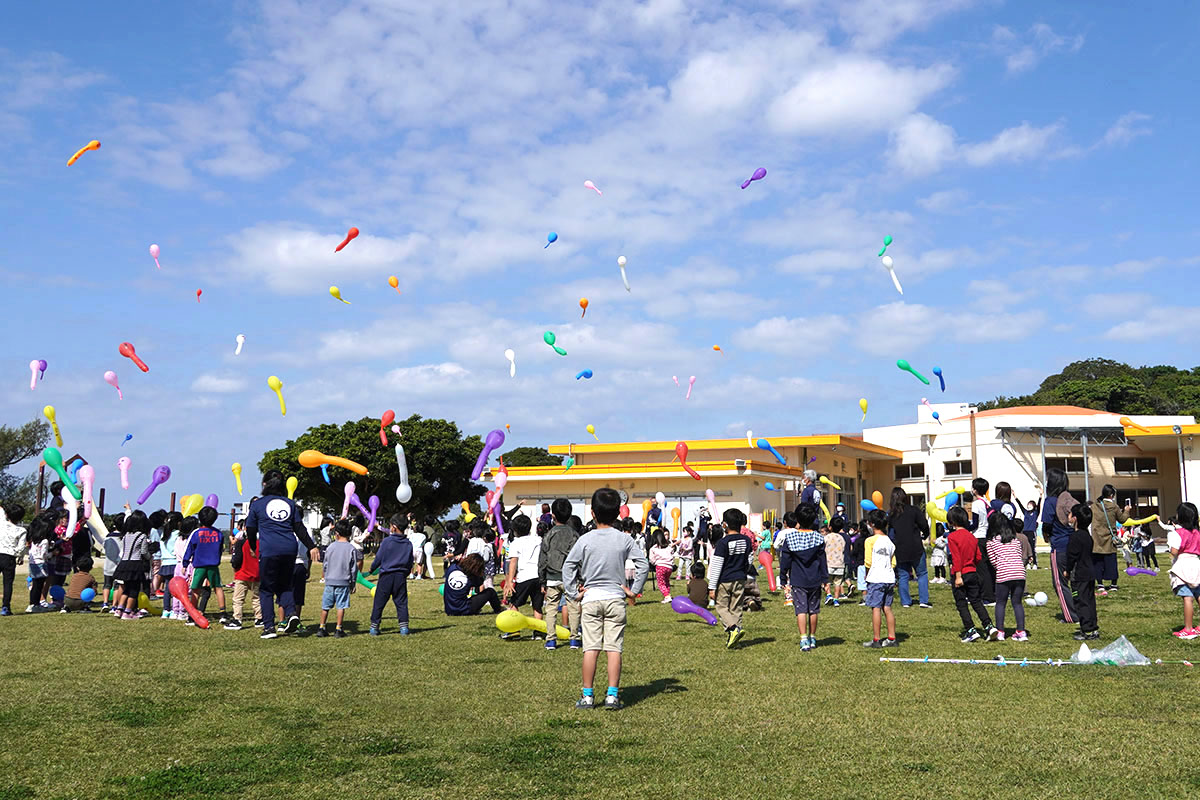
(764, 558)
(350, 234)
(126, 349)
(681, 451)
(179, 590)
(389, 417)
(624, 512)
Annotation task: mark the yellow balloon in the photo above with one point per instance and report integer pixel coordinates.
(935, 513)
(513, 621)
(292, 483)
(862, 403)
(592, 430)
(828, 482)
(337, 294)
(277, 387)
(49, 412)
(236, 469)
(191, 504)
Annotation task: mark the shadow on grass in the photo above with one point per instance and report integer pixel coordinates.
(632, 695)
(755, 640)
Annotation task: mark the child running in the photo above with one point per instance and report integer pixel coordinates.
(662, 559)
(727, 574)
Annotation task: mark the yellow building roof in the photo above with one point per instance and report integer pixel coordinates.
(826, 440)
(658, 467)
(1161, 430)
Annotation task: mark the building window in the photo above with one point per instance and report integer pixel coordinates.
(917, 500)
(1071, 466)
(1144, 502)
(1141, 465)
(906, 472)
(958, 469)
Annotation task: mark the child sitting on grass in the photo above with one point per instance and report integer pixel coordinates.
(82, 579)
(697, 587)
(881, 579)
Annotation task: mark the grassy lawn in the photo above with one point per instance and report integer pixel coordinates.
(95, 707)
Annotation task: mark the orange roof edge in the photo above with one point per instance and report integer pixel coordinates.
(820, 440)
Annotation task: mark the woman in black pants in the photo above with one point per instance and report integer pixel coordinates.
(463, 576)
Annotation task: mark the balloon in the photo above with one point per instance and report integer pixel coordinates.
(1132, 571)
(749, 438)
(691, 383)
(94, 144)
(512, 364)
(549, 338)
(513, 621)
(592, 186)
(583, 303)
(935, 513)
(592, 430)
(938, 371)
(624, 278)
(191, 504)
(877, 496)
(862, 403)
(87, 476)
(361, 579)
(57, 593)
(681, 452)
(887, 240)
(551, 238)
(586, 373)
(1125, 421)
(161, 475)
(348, 491)
(570, 462)
(33, 374)
(128, 436)
(887, 264)
(867, 505)
(291, 484)
(683, 605)
(768, 564)
(123, 464)
(711, 497)
(661, 498)
(645, 510)
(1142, 521)
(73, 470)
(829, 483)
(717, 348)
(50, 415)
(394, 282)
(494, 439)
(758, 175)
(87, 595)
(952, 498)
(770, 487)
(904, 365)
(937, 418)
(198, 293)
(763, 444)
(403, 490)
(72, 510)
(277, 387)
(388, 418)
(126, 349)
(42, 365)
(624, 512)
(212, 501)
(373, 504)
(179, 590)
(241, 340)
(325, 472)
(336, 293)
(350, 234)
(154, 255)
(110, 378)
(236, 469)
(501, 480)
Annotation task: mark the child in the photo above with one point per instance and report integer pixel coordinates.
(204, 553)
(12, 549)
(697, 586)
(341, 564)
(964, 562)
(1056, 529)
(835, 558)
(40, 532)
(880, 555)
(939, 557)
(685, 548)
(394, 562)
(1108, 518)
(787, 526)
(522, 581)
(595, 570)
(557, 542)
(131, 571)
(245, 582)
(168, 538)
(462, 576)
(157, 534)
(980, 509)
(662, 559)
(112, 557)
(727, 574)
(858, 554)
(1006, 549)
(1077, 568)
(82, 579)
(1029, 529)
(186, 528)
(803, 562)
(1184, 544)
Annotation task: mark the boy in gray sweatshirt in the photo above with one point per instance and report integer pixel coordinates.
(342, 560)
(595, 570)
(556, 544)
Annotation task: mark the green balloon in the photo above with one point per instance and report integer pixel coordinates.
(442, 589)
(54, 461)
(549, 338)
(887, 240)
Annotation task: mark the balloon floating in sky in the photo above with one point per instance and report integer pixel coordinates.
(937, 418)
(110, 378)
(161, 475)
(862, 403)
(394, 282)
(941, 379)
(123, 465)
(570, 462)
(586, 373)
(676, 379)
(681, 452)
(154, 255)
(691, 383)
(749, 438)
(42, 365)
(315, 458)
(325, 472)
(403, 490)
(867, 505)
(292, 484)
(583, 303)
(887, 264)
(592, 430)
(336, 294)
(493, 440)
(904, 365)
(49, 412)
(718, 349)
(277, 387)
(350, 234)
(624, 278)
(241, 340)
(128, 436)
(758, 175)
(126, 349)
(236, 469)
(388, 418)
(512, 364)
(592, 186)
(94, 144)
(54, 461)
(198, 293)
(33, 374)
(887, 240)
(763, 444)
(549, 338)
(551, 238)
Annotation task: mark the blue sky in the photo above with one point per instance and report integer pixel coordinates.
(1034, 163)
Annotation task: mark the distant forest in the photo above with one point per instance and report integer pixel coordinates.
(1112, 386)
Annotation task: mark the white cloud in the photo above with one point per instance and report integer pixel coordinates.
(1164, 323)
(1127, 128)
(218, 384)
(947, 200)
(1022, 52)
(41, 79)
(920, 145)
(1020, 143)
(874, 22)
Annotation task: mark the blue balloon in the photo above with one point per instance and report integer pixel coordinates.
(551, 239)
(57, 593)
(87, 595)
(128, 436)
(325, 472)
(73, 470)
(587, 373)
(770, 487)
(763, 444)
(951, 500)
(938, 371)
(867, 505)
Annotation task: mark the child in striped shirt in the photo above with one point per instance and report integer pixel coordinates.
(1006, 551)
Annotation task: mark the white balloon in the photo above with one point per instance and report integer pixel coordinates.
(403, 491)
(887, 262)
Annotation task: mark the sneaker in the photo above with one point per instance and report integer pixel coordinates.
(268, 633)
(1020, 636)
(576, 643)
(538, 636)
(906, 606)
(552, 644)
(873, 644)
(224, 620)
(585, 702)
(890, 643)
(613, 703)
(1091, 636)
(999, 637)
(338, 633)
(862, 602)
(1101, 593)
(258, 623)
(508, 637)
(1078, 636)
(374, 630)
(828, 599)
(166, 615)
(837, 603)
(735, 636)
(63, 611)
(1112, 588)
(293, 624)
(788, 602)
(404, 630)
(970, 636)
(5, 612)
(666, 599)
(804, 645)
(142, 614)
(232, 625)
(812, 643)
(926, 605)
(1185, 633)
(992, 633)
(321, 632)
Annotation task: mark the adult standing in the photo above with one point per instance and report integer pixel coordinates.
(909, 530)
(1056, 529)
(811, 494)
(1108, 517)
(275, 529)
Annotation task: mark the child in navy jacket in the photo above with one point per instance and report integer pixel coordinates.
(802, 560)
(393, 562)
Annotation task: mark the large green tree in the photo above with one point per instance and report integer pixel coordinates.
(1107, 385)
(439, 462)
(17, 445)
(531, 457)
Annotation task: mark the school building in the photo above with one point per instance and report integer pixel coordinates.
(1148, 459)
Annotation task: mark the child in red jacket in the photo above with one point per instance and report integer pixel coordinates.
(964, 555)
(245, 581)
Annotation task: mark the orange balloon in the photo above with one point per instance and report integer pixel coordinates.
(583, 303)
(646, 506)
(313, 458)
(717, 347)
(877, 498)
(394, 282)
(675, 513)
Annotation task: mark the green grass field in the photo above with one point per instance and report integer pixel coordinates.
(95, 707)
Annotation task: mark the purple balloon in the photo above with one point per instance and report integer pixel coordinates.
(684, 605)
(373, 503)
(1131, 571)
(493, 440)
(162, 474)
(758, 175)
(212, 501)
(42, 367)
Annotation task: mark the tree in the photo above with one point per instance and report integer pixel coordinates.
(17, 445)
(531, 457)
(434, 450)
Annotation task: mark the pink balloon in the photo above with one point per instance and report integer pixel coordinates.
(350, 488)
(110, 378)
(33, 368)
(154, 255)
(87, 476)
(123, 464)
